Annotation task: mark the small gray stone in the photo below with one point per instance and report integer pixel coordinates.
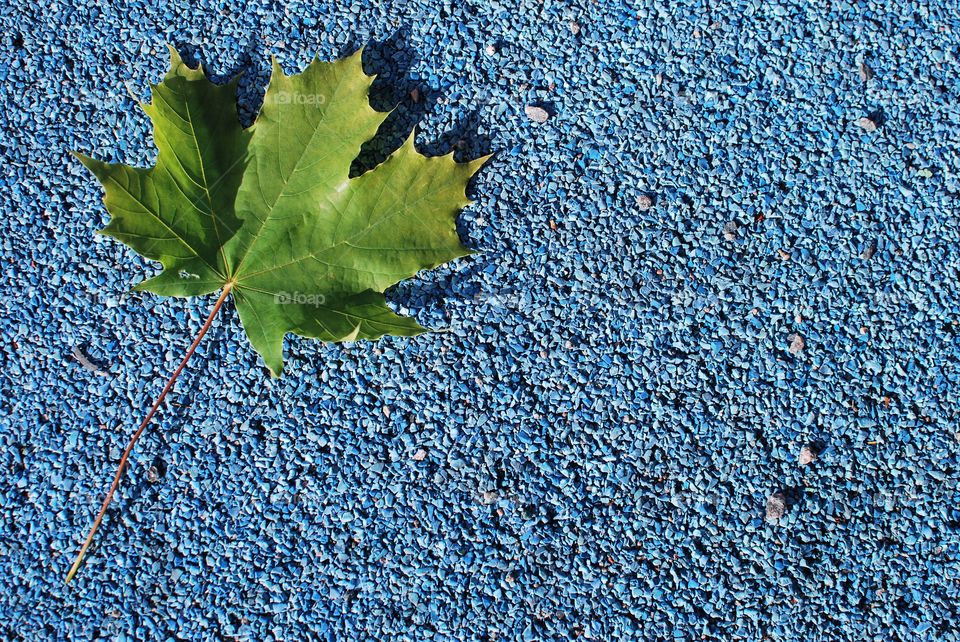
(575, 28)
(644, 202)
(776, 506)
(865, 72)
(808, 454)
(420, 455)
(730, 231)
(868, 124)
(153, 475)
(536, 114)
(796, 343)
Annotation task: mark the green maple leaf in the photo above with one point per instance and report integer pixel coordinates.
(272, 216)
(271, 213)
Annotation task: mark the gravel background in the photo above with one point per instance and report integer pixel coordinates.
(703, 261)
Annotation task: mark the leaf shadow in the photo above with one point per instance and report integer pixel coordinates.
(394, 89)
(253, 69)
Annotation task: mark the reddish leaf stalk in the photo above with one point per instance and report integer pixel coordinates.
(143, 425)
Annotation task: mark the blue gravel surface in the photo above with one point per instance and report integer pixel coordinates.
(735, 236)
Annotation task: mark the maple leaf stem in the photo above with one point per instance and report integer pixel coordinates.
(143, 425)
